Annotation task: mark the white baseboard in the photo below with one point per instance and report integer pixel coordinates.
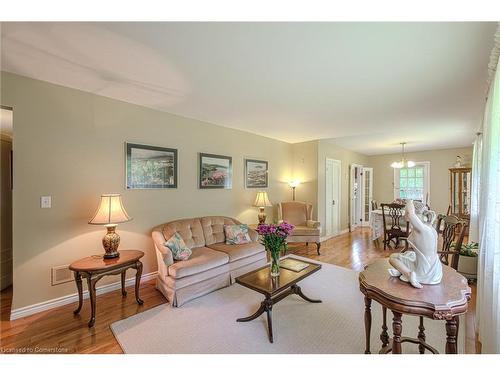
(72, 298)
(324, 238)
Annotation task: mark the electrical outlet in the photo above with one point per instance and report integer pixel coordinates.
(46, 201)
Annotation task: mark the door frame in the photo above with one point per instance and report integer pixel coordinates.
(334, 231)
(363, 203)
(353, 224)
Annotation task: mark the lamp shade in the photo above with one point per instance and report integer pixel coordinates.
(294, 183)
(110, 211)
(262, 200)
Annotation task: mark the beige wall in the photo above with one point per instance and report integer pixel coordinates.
(346, 158)
(70, 145)
(440, 161)
(305, 161)
(309, 160)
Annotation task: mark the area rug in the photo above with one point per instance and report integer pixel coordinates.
(208, 324)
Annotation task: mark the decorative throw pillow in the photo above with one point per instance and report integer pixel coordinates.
(237, 234)
(179, 249)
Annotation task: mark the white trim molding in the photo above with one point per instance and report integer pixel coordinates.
(72, 298)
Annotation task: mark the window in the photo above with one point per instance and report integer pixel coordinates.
(412, 183)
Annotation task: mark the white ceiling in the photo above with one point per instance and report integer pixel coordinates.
(364, 86)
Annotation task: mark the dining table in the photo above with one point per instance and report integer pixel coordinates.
(377, 223)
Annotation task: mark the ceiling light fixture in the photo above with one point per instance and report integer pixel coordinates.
(403, 163)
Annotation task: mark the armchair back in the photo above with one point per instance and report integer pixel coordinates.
(296, 213)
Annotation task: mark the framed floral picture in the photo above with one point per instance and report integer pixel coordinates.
(150, 167)
(256, 173)
(215, 171)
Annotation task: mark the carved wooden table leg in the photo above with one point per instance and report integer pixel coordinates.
(384, 336)
(397, 329)
(297, 290)
(78, 281)
(421, 335)
(91, 286)
(368, 323)
(269, 310)
(255, 315)
(138, 266)
(124, 292)
(451, 335)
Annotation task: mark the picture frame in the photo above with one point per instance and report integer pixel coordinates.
(215, 171)
(150, 167)
(256, 174)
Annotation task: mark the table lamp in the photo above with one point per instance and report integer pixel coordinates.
(293, 184)
(262, 201)
(109, 213)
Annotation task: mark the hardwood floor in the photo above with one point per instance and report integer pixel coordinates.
(59, 331)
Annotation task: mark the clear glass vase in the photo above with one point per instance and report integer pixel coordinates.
(275, 263)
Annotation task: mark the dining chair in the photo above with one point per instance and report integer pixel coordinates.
(454, 231)
(398, 228)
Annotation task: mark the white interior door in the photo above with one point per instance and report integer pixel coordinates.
(332, 197)
(367, 194)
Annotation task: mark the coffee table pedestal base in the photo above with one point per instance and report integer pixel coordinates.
(267, 307)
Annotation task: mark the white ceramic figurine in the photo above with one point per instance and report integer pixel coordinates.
(421, 264)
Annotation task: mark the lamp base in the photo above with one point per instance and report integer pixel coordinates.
(110, 242)
(116, 254)
(262, 215)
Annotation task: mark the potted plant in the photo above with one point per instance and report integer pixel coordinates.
(273, 237)
(467, 261)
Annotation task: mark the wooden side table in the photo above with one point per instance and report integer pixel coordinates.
(445, 301)
(95, 267)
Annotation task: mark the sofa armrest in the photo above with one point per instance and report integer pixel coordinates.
(164, 251)
(254, 236)
(313, 224)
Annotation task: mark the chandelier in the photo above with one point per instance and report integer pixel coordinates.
(403, 163)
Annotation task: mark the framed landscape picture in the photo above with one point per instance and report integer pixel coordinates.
(150, 167)
(215, 171)
(256, 173)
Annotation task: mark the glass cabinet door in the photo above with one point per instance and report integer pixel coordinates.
(460, 179)
(456, 194)
(466, 176)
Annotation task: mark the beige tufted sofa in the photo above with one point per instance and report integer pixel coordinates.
(213, 264)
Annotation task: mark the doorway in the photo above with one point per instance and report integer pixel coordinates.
(367, 195)
(332, 197)
(355, 201)
(6, 117)
(360, 195)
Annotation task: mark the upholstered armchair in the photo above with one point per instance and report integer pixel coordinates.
(300, 214)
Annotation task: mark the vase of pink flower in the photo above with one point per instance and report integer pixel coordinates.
(273, 237)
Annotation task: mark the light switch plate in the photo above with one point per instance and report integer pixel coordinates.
(46, 201)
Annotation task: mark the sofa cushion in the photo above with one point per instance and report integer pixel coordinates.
(178, 248)
(236, 252)
(302, 230)
(213, 228)
(201, 260)
(189, 229)
(236, 234)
